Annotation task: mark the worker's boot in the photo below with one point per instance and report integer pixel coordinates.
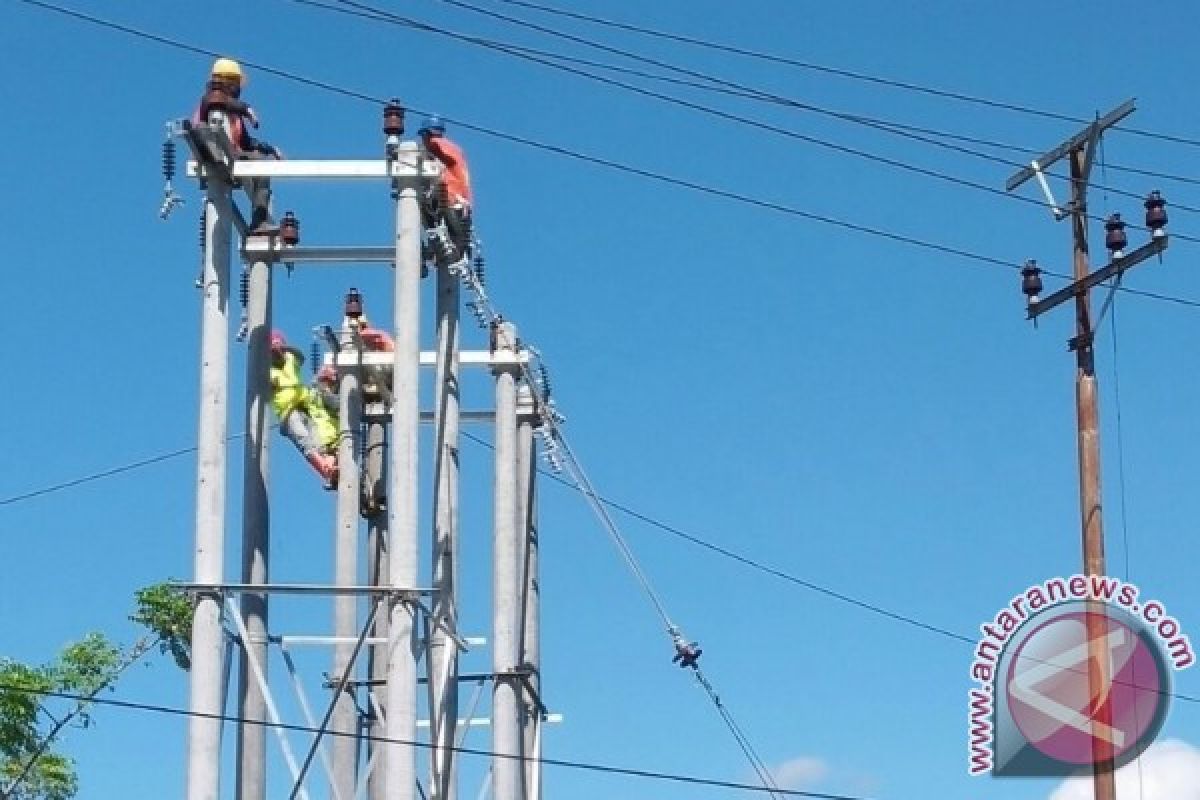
(326, 467)
(260, 223)
(260, 216)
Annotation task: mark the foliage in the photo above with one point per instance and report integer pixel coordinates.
(83, 668)
(32, 717)
(167, 612)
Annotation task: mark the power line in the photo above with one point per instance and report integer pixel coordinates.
(380, 15)
(769, 570)
(585, 766)
(842, 73)
(748, 561)
(108, 473)
(737, 89)
(550, 425)
(600, 161)
(95, 476)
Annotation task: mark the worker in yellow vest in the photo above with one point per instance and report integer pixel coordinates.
(303, 418)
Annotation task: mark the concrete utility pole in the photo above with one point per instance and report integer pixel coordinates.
(530, 614)
(252, 739)
(1081, 150)
(208, 637)
(506, 575)
(400, 761)
(443, 651)
(389, 502)
(377, 575)
(345, 614)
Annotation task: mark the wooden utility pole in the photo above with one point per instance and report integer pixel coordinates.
(1080, 149)
(1090, 501)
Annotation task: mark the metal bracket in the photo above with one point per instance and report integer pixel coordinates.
(1055, 208)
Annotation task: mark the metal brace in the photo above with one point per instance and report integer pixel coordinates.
(1055, 208)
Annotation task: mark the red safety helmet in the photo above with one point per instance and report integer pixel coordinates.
(278, 341)
(327, 373)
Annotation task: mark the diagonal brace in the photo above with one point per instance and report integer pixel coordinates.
(312, 751)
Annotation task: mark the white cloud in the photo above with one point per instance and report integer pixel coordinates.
(800, 773)
(1170, 771)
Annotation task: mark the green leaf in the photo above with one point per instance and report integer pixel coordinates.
(166, 611)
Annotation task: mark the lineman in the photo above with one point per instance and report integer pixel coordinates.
(223, 93)
(303, 416)
(453, 196)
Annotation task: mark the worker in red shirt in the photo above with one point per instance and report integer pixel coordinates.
(453, 196)
(223, 92)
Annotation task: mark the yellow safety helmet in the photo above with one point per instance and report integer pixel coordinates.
(229, 69)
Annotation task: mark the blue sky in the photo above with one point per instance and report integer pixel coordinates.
(872, 417)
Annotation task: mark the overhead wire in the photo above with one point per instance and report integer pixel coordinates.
(840, 72)
(779, 573)
(595, 160)
(750, 562)
(320, 84)
(550, 420)
(364, 10)
(95, 476)
(739, 89)
(726, 87)
(586, 766)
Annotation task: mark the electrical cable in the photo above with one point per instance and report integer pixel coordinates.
(843, 73)
(748, 561)
(686, 654)
(585, 766)
(729, 87)
(95, 476)
(1124, 517)
(136, 655)
(108, 473)
(380, 15)
(600, 161)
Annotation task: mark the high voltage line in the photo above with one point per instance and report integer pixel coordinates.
(600, 160)
(740, 89)
(665, 98)
(842, 73)
(586, 766)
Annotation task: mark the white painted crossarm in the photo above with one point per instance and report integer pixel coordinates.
(468, 358)
(405, 166)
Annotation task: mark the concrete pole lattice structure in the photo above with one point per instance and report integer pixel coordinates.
(385, 492)
(530, 611)
(507, 779)
(252, 739)
(208, 637)
(344, 724)
(377, 575)
(442, 660)
(402, 646)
